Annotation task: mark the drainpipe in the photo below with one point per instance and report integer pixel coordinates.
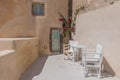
(70, 11)
(70, 8)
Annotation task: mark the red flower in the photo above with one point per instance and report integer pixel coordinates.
(70, 19)
(64, 28)
(72, 29)
(60, 19)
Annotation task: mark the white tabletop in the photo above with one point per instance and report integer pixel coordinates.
(78, 46)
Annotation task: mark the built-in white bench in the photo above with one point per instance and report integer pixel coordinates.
(6, 52)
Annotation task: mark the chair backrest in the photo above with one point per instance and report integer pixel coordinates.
(72, 42)
(99, 51)
(94, 53)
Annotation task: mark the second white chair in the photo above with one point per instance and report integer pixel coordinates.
(70, 52)
(92, 61)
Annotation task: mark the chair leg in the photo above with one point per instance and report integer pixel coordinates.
(99, 76)
(66, 56)
(85, 71)
(86, 74)
(99, 73)
(73, 59)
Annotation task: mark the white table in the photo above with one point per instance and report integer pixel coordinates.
(75, 49)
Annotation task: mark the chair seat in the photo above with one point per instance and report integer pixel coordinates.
(92, 60)
(92, 66)
(71, 50)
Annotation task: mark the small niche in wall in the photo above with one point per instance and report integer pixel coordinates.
(38, 9)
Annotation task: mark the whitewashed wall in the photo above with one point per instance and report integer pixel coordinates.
(102, 26)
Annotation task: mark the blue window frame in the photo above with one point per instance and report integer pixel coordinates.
(38, 9)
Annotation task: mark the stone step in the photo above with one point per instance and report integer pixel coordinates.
(6, 52)
(9, 43)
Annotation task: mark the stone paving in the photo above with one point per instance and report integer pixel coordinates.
(56, 68)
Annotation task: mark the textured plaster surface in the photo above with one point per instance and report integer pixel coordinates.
(90, 5)
(16, 19)
(102, 26)
(50, 20)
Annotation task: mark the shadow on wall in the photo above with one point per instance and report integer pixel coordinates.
(24, 26)
(107, 67)
(35, 69)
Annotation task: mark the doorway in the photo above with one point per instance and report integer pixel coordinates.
(55, 40)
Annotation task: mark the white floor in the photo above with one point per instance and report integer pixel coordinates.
(56, 68)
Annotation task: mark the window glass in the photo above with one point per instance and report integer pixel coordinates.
(38, 9)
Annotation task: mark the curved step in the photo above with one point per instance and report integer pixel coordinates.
(6, 52)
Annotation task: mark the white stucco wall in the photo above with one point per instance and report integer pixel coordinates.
(102, 26)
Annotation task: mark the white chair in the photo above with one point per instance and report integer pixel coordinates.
(69, 52)
(92, 61)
